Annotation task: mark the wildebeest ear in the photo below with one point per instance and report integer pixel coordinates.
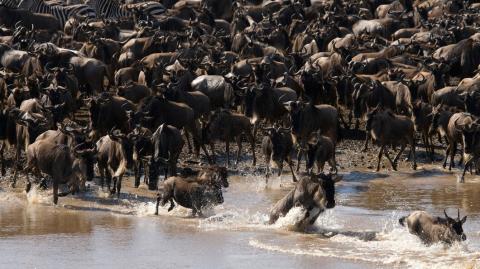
(464, 219)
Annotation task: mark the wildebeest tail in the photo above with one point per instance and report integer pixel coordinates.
(402, 220)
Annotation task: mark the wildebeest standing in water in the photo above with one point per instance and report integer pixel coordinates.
(435, 229)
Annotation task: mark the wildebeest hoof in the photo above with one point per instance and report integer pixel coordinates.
(43, 184)
(28, 187)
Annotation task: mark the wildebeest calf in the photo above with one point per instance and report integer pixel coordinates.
(321, 149)
(277, 147)
(188, 194)
(435, 229)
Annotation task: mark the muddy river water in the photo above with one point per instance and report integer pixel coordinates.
(362, 231)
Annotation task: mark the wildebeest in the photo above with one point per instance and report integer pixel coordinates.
(315, 193)
(457, 122)
(277, 147)
(320, 150)
(166, 146)
(226, 126)
(114, 154)
(308, 118)
(389, 129)
(56, 161)
(435, 229)
(188, 194)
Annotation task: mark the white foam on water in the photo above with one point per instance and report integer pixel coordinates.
(234, 219)
(36, 196)
(394, 246)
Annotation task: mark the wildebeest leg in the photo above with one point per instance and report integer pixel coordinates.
(55, 191)
(251, 138)
(290, 165)
(137, 168)
(136, 171)
(172, 205)
(15, 166)
(399, 153)
(440, 138)
(367, 137)
(350, 117)
(392, 163)
(102, 176)
(109, 178)
(227, 149)
(187, 137)
(461, 153)
(172, 167)
(468, 164)
(2, 149)
(412, 149)
(255, 129)
(119, 186)
(114, 189)
(357, 124)
(158, 203)
(299, 155)
(239, 148)
(206, 153)
(342, 119)
(267, 165)
(146, 172)
(314, 217)
(280, 169)
(320, 166)
(453, 150)
(212, 148)
(380, 157)
(333, 163)
(447, 152)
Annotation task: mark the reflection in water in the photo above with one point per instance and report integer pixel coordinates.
(361, 232)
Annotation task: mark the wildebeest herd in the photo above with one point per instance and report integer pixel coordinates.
(124, 86)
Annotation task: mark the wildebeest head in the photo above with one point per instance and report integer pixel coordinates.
(141, 142)
(436, 115)
(117, 136)
(327, 182)
(455, 226)
(276, 135)
(471, 138)
(219, 174)
(85, 154)
(213, 196)
(360, 93)
(296, 110)
(35, 123)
